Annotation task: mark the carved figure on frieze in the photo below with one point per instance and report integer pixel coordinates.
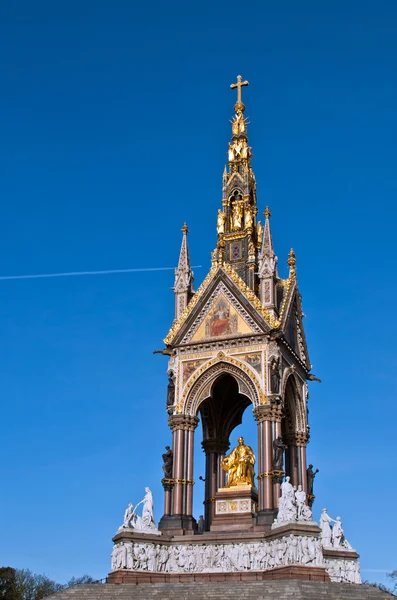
(278, 450)
(275, 375)
(168, 457)
(239, 465)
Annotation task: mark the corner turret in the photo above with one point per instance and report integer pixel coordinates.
(183, 283)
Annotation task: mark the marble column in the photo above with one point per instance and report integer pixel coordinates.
(302, 441)
(276, 432)
(178, 504)
(267, 417)
(293, 463)
(179, 436)
(167, 499)
(214, 474)
(189, 471)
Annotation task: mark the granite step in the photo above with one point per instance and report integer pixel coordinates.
(260, 590)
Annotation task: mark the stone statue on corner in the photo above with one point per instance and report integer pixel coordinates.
(145, 523)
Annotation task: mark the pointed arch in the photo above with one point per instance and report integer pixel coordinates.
(294, 403)
(201, 387)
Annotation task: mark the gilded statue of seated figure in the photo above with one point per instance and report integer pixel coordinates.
(239, 465)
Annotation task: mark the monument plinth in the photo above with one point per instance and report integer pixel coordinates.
(234, 508)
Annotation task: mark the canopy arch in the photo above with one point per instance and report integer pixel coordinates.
(202, 387)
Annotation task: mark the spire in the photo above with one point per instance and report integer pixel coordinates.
(267, 258)
(236, 220)
(267, 265)
(183, 284)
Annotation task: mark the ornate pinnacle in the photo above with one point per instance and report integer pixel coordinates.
(267, 214)
(291, 262)
(185, 229)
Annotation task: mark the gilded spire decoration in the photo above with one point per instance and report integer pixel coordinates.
(239, 235)
(291, 262)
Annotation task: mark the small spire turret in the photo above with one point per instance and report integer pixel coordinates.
(183, 283)
(267, 267)
(291, 262)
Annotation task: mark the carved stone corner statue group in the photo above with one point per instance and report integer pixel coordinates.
(332, 536)
(144, 523)
(292, 505)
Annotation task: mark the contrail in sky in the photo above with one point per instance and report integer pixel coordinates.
(79, 273)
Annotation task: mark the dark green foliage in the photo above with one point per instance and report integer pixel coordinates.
(80, 580)
(393, 577)
(34, 587)
(8, 587)
(22, 584)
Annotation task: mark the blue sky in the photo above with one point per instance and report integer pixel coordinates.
(114, 129)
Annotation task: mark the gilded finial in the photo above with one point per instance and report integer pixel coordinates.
(185, 229)
(239, 106)
(291, 262)
(267, 214)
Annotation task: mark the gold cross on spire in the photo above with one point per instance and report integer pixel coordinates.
(239, 85)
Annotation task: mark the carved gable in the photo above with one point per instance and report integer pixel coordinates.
(221, 311)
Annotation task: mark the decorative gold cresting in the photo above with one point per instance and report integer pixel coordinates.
(239, 106)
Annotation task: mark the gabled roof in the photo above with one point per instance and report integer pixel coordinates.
(292, 324)
(243, 294)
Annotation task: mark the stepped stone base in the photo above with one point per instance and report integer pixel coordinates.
(291, 572)
(262, 590)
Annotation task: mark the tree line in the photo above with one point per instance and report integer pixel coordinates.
(22, 584)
